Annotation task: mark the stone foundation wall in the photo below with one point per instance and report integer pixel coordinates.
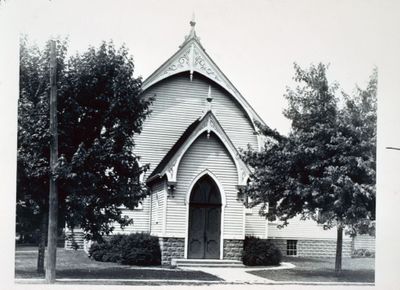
(281, 244)
(315, 248)
(233, 250)
(171, 248)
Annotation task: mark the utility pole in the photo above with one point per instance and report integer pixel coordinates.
(53, 194)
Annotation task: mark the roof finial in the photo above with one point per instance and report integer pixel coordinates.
(192, 34)
(193, 21)
(192, 24)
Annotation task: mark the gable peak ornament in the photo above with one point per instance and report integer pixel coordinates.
(208, 107)
(193, 22)
(209, 99)
(192, 34)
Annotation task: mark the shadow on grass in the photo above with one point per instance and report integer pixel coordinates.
(77, 265)
(121, 273)
(366, 276)
(322, 270)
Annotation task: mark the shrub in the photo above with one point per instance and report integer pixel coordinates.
(258, 252)
(98, 250)
(134, 249)
(361, 253)
(140, 249)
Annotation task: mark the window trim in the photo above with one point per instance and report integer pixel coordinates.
(291, 247)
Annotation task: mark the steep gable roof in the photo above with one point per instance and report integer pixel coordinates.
(192, 57)
(207, 123)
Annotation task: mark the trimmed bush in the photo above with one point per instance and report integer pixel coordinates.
(134, 249)
(363, 253)
(140, 249)
(98, 250)
(258, 252)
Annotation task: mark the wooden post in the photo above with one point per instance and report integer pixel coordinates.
(53, 194)
(42, 242)
(339, 246)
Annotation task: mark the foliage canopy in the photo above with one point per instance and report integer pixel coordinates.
(100, 109)
(325, 168)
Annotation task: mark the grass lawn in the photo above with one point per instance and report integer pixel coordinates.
(322, 270)
(76, 264)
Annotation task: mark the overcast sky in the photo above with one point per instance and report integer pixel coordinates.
(253, 42)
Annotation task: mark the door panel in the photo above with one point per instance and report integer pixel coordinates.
(196, 232)
(213, 232)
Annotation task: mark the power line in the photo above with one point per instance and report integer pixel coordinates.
(393, 148)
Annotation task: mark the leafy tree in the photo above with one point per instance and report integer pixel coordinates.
(33, 140)
(325, 168)
(100, 109)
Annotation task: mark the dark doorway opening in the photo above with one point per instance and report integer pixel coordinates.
(204, 220)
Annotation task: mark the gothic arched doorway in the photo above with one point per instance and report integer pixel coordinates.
(204, 220)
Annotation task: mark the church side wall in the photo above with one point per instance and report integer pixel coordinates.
(158, 195)
(365, 242)
(178, 103)
(302, 229)
(140, 217)
(206, 154)
(141, 223)
(256, 225)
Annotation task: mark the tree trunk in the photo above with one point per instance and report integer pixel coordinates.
(339, 246)
(42, 244)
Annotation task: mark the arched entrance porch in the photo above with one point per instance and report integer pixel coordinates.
(204, 229)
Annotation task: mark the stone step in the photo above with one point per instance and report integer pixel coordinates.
(208, 266)
(205, 263)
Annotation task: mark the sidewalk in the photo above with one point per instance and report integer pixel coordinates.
(240, 275)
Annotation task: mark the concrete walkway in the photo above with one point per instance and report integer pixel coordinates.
(239, 274)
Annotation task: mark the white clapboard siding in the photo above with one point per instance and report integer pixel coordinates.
(302, 229)
(157, 204)
(256, 225)
(205, 153)
(178, 103)
(364, 242)
(140, 217)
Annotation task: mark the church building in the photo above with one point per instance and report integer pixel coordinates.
(199, 120)
(191, 139)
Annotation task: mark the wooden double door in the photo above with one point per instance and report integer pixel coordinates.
(204, 220)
